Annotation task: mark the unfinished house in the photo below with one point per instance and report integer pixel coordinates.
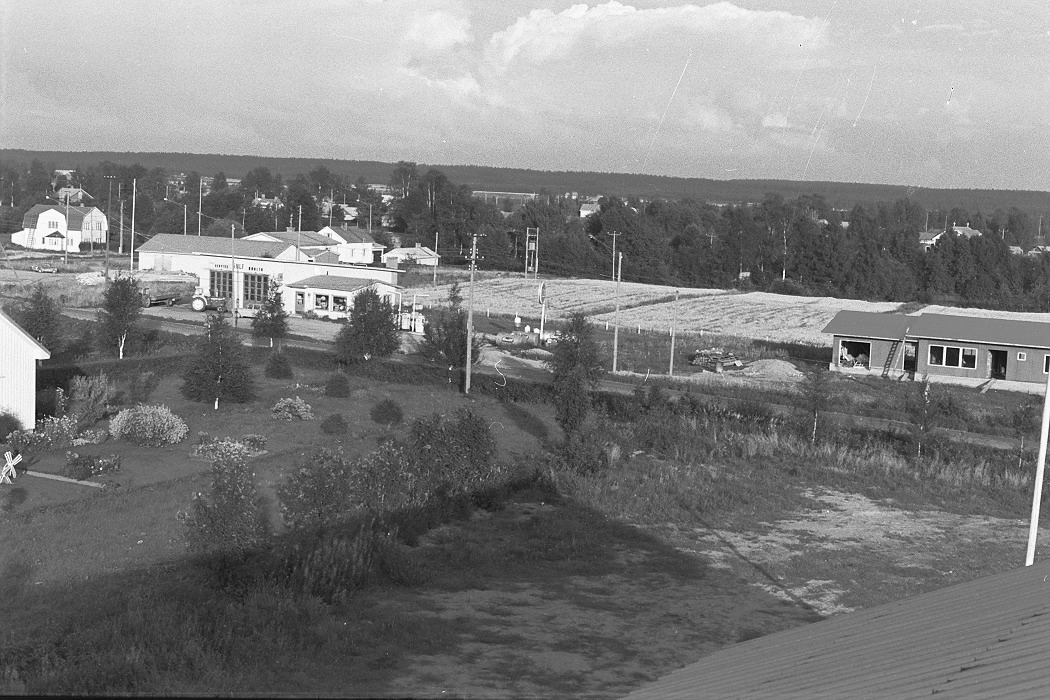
(957, 349)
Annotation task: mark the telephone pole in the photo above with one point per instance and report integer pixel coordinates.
(131, 238)
(470, 312)
(614, 234)
(674, 322)
(437, 258)
(616, 317)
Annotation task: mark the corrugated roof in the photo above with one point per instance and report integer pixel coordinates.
(985, 638)
(211, 245)
(867, 324)
(76, 215)
(336, 283)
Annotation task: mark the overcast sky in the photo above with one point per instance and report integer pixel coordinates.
(931, 93)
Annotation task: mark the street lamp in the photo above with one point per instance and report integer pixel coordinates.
(185, 214)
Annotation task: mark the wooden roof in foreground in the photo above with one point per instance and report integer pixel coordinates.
(986, 638)
(964, 329)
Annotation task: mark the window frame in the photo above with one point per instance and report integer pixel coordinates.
(960, 352)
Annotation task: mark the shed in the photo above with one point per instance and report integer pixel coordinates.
(332, 296)
(958, 349)
(19, 353)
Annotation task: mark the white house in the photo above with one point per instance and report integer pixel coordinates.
(243, 269)
(72, 195)
(19, 353)
(45, 227)
(419, 255)
(332, 296)
(928, 239)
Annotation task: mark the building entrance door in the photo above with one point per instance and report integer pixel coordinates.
(300, 302)
(997, 364)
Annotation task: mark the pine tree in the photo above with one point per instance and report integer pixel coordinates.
(445, 334)
(220, 371)
(42, 319)
(372, 331)
(119, 316)
(577, 368)
(272, 320)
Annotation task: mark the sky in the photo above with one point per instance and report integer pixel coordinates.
(925, 93)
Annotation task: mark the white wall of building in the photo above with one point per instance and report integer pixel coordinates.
(19, 354)
(95, 229)
(309, 298)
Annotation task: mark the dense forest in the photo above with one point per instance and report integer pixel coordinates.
(800, 244)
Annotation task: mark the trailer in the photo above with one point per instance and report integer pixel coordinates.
(150, 298)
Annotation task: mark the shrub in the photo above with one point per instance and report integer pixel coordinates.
(451, 455)
(278, 366)
(230, 522)
(387, 412)
(255, 442)
(289, 409)
(142, 387)
(52, 433)
(215, 448)
(82, 467)
(91, 437)
(90, 399)
(9, 423)
(338, 386)
(318, 492)
(150, 426)
(334, 424)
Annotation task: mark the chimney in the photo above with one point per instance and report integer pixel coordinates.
(419, 245)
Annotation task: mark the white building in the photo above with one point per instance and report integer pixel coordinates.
(243, 269)
(419, 255)
(350, 245)
(45, 227)
(19, 352)
(332, 296)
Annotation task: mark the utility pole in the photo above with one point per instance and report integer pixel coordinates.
(109, 218)
(674, 322)
(131, 238)
(616, 317)
(437, 235)
(200, 202)
(65, 252)
(614, 234)
(233, 276)
(470, 312)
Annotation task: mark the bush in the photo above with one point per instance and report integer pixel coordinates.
(215, 448)
(9, 423)
(387, 412)
(82, 467)
(230, 522)
(278, 366)
(289, 409)
(90, 399)
(149, 426)
(51, 434)
(338, 386)
(334, 424)
(255, 442)
(318, 492)
(451, 455)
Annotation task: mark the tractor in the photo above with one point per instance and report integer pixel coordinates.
(203, 302)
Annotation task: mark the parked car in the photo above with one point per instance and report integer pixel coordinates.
(46, 270)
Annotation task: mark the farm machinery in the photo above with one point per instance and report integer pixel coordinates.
(151, 298)
(204, 302)
(715, 360)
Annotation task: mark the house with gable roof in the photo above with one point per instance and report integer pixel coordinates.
(351, 245)
(418, 255)
(46, 227)
(20, 352)
(332, 296)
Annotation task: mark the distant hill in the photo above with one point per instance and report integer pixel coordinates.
(838, 194)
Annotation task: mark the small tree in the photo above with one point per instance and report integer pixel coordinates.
(815, 388)
(576, 365)
(372, 331)
(41, 317)
(220, 370)
(119, 316)
(272, 320)
(230, 522)
(922, 410)
(1025, 418)
(445, 339)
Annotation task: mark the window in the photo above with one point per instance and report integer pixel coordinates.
(953, 356)
(1046, 364)
(1022, 356)
(221, 284)
(854, 353)
(256, 288)
(321, 302)
(338, 303)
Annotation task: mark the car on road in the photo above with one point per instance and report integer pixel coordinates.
(45, 269)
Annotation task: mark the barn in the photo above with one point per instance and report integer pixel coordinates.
(964, 350)
(19, 353)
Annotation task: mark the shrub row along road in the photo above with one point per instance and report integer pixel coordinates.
(187, 322)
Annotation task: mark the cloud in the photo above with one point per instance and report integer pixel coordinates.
(545, 35)
(437, 30)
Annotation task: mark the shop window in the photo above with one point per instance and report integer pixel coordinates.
(338, 303)
(321, 302)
